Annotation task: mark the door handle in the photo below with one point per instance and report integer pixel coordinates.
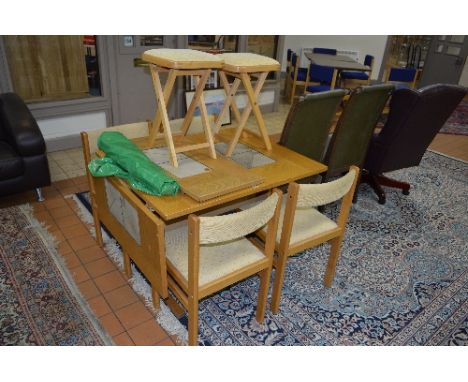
(139, 63)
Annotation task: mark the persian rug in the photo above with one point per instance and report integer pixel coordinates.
(39, 303)
(457, 123)
(402, 278)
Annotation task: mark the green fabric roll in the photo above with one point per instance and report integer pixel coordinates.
(125, 160)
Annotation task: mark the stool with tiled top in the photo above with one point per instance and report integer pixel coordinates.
(243, 67)
(180, 62)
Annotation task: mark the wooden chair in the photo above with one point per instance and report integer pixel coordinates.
(298, 76)
(402, 77)
(320, 79)
(307, 126)
(354, 129)
(301, 226)
(361, 78)
(288, 70)
(214, 254)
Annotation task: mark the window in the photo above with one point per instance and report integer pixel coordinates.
(52, 68)
(264, 45)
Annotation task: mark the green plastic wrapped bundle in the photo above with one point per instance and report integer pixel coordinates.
(125, 160)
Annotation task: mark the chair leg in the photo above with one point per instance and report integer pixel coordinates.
(293, 92)
(279, 281)
(384, 181)
(332, 261)
(127, 265)
(155, 297)
(40, 197)
(97, 223)
(193, 322)
(263, 293)
(372, 180)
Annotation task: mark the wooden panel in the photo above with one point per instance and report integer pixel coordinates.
(23, 62)
(47, 67)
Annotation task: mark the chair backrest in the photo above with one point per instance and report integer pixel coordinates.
(322, 74)
(368, 60)
(308, 123)
(354, 129)
(325, 51)
(131, 131)
(402, 75)
(315, 195)
(415, 117)
(224, 228)
(294, 60)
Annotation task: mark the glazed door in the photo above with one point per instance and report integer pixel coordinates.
(133, 98)
(445, 60)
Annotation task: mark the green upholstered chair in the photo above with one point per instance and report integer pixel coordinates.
(350, 140)
(308, 123)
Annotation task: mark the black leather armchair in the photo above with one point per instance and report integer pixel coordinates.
(23, 159)
(415, 117)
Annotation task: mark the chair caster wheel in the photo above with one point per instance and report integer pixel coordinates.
(382, 200)
(405, 192)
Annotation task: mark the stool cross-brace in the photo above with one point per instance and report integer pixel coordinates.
(180, 62)
(242, 67)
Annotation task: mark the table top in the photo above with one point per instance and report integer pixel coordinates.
(338, 62)
(289, 166)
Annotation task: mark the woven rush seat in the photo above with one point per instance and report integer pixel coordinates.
(308, 222)
(182, 59)
(216, 260)
(248, 63)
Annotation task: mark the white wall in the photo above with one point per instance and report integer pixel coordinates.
(71, 125)
(373, 45)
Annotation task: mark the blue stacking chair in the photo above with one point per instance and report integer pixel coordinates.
(322, 77)
(298, 75)
(329, 51)
(402, 77)
(360, 76)
(288, 70)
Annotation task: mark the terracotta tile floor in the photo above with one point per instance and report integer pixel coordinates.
(120, 310)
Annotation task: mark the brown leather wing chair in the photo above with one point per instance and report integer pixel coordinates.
(23, 159)
(415, 117)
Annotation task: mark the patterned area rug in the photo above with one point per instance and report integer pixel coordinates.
(402, 278)
(39, 303)
(457, 124)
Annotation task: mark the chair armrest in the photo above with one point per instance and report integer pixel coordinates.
(19, 126)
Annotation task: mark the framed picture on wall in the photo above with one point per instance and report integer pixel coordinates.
(212, 83)
(214, 101)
